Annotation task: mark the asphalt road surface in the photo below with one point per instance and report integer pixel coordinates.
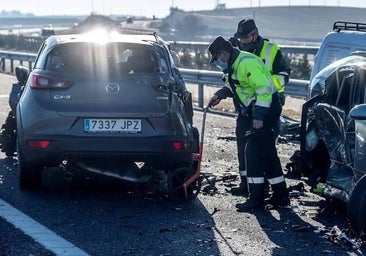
(91, 215)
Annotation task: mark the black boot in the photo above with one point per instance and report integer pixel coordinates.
(279, 197)
(255, 200)
(242, 189)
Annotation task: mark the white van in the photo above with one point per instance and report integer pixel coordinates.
(347, 37)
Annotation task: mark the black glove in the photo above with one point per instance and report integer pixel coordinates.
(214, 101)
(247, 110)
(282, 98)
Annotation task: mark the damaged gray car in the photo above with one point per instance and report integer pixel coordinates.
(333, 137)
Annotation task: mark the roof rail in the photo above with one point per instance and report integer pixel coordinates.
(158, 39)
(155, 34)
(352, 26)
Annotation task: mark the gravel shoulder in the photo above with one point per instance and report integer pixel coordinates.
(302, 229)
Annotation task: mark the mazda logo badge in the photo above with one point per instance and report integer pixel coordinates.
(112, 88)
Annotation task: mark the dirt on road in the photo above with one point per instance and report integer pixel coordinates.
(307, 227)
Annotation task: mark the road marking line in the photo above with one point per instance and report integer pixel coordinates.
(4, 96)
(49, 239)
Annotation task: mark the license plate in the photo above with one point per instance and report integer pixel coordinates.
(112, 125)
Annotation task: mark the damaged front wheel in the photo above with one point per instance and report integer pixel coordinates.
(176, 182)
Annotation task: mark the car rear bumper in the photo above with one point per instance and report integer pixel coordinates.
(159, 151)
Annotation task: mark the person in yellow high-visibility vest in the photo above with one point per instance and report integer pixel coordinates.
(251, 86)
(248, 39)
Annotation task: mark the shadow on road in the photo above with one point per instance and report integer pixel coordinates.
(103, 217)
(306, 238)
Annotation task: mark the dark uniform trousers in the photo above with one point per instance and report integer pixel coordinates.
(262, 159)
(243, 125)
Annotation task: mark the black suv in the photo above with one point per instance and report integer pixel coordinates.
(109, 103)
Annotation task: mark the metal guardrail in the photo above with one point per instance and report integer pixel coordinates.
(18, 56)
(295, 87)
(293, 49)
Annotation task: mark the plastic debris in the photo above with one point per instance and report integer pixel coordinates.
(294, 193)
(209, 181)
(337, 236)
(208, 185)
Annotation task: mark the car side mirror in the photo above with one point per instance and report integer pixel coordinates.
(22, 73)
(358, 112)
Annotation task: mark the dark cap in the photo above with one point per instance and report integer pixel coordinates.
(217, 46)
(245, 27)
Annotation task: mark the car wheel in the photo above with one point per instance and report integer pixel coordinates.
(362, 217)
(8, 136)
(176, 180)
(356, 211)
(30, 175)
(8, 142)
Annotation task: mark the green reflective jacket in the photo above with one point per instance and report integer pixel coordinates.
(268, 54)
(253, 82)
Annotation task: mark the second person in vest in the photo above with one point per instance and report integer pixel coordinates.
(251, 85)
(247, 38)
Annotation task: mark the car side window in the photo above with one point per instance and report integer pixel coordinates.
(338, 88)
(39, 59)
(331, 88)
(359, 87)
(163, 66)
(344, 95)
(54, 62)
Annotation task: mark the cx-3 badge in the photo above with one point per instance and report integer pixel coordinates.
(112, 88)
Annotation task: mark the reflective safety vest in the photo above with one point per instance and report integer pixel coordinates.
(252, 80)
(268, 54)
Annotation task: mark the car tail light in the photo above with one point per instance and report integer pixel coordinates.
(181, 145)
(42, 144)
(46, 82)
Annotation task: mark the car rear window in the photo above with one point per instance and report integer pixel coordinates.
(121, 59)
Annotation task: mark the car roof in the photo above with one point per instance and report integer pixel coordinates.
(101, 36)
(353, 60)
(345, 38)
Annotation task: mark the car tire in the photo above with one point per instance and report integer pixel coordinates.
(8, 142)
(362, 217)
(8, 136)
(175, 182)
(356, 210)
(30, 175)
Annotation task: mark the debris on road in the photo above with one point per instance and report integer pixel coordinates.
(209, 181)
(338, 236)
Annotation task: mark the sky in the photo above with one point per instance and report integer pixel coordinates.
(149, 8)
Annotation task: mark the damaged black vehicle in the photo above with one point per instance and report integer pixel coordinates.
(333, 137)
